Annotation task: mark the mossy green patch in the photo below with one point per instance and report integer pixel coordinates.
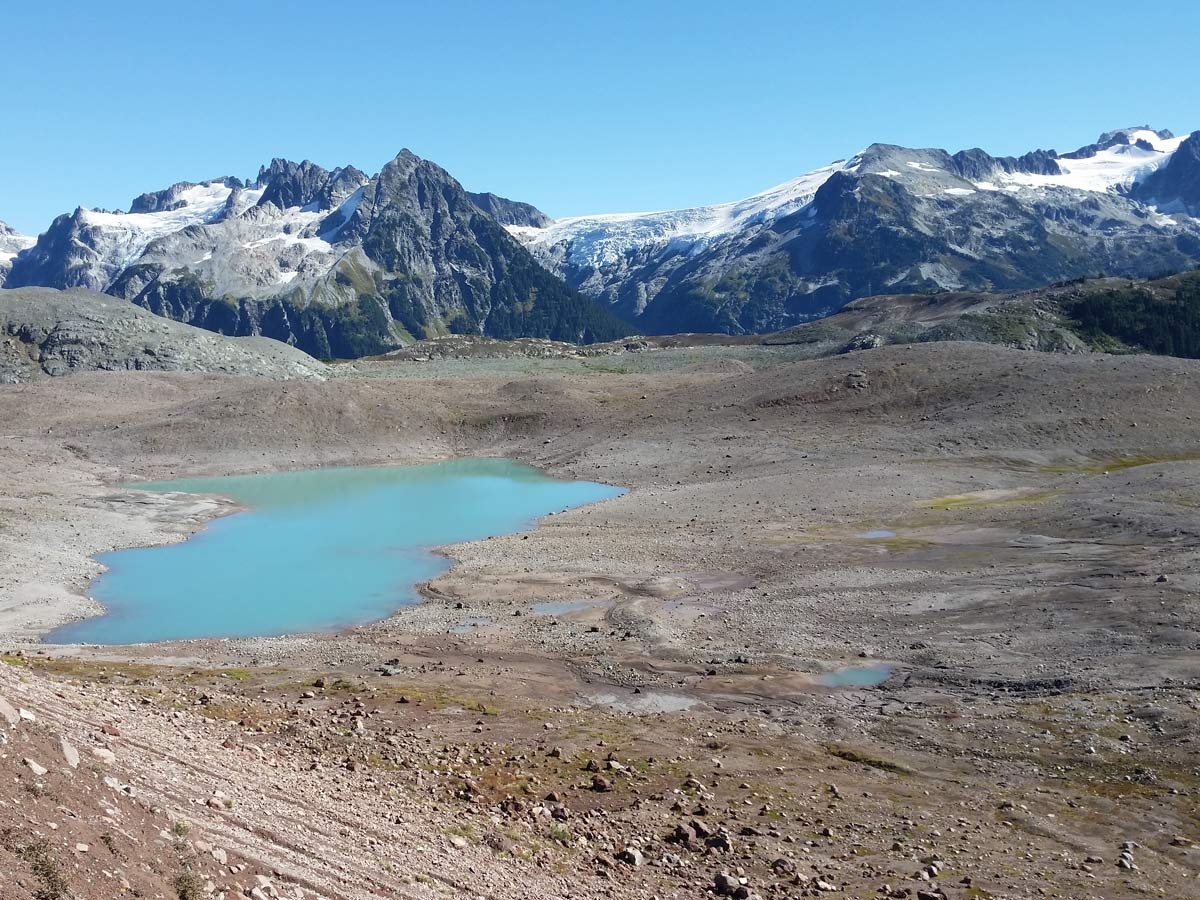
(1120, 463)
(979, 501)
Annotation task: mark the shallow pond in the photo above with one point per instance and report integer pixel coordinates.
(314, 550)
(858, 676)
(561, 607)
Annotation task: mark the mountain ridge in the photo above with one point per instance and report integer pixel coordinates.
(892, 218)
(335, 261)
(341, 263)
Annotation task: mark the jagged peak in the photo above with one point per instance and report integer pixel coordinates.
(287, 184)
(1129, 134)
(1140, 137)
(281, 167)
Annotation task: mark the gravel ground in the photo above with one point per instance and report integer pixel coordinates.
(1037, 603)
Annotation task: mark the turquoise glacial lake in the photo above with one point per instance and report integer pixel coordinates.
(315, 550)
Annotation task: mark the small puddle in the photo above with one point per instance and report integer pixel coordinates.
(875, 535)
(857, 676)
(468, 625)
(562, 607)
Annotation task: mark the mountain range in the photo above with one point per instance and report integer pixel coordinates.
(890, 220)
(344, 264)
(336, 262)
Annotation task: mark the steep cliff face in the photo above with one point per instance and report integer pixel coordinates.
(336, 262)
(1175, 187)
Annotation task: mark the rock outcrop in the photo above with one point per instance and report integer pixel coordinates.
(44, 332)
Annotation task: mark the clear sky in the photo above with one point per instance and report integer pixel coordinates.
(575, 106)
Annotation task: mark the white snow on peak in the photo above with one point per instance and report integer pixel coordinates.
(1117, 167)
(12, 243)
(127, 235)
(346, 211)
(595, 241)
(246, 198)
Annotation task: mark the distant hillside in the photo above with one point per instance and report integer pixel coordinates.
(1118, 315)
(1115, 315)
(44, 332)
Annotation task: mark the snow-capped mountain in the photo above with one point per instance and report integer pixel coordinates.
(337, 262)
(11, 243)
(890, 219)
(343, 264)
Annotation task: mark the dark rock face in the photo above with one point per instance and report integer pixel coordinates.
(454, 263)
(977, 165)
(510, 212)
(60, 259)
(289, 184)
(1176, 186)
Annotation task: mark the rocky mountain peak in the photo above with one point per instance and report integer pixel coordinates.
(288, 184)
(1142, 137)
(1130, 135)
(173, 198)
(7, 231)
(1175, 187)
(12, 242)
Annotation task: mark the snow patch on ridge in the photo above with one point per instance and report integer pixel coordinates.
(127, 235)
(597, 241)
(1117, 167)
(13, 243)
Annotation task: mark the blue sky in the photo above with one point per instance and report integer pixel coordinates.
(577, 107)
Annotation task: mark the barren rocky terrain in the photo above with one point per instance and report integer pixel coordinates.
(635, 699)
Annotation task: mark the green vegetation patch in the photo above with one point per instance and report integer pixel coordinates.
(1120, 463)
(1167, 324)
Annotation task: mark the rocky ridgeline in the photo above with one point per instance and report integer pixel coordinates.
(338, 263)
(896, 220)
(45, 332)
(343, 264)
